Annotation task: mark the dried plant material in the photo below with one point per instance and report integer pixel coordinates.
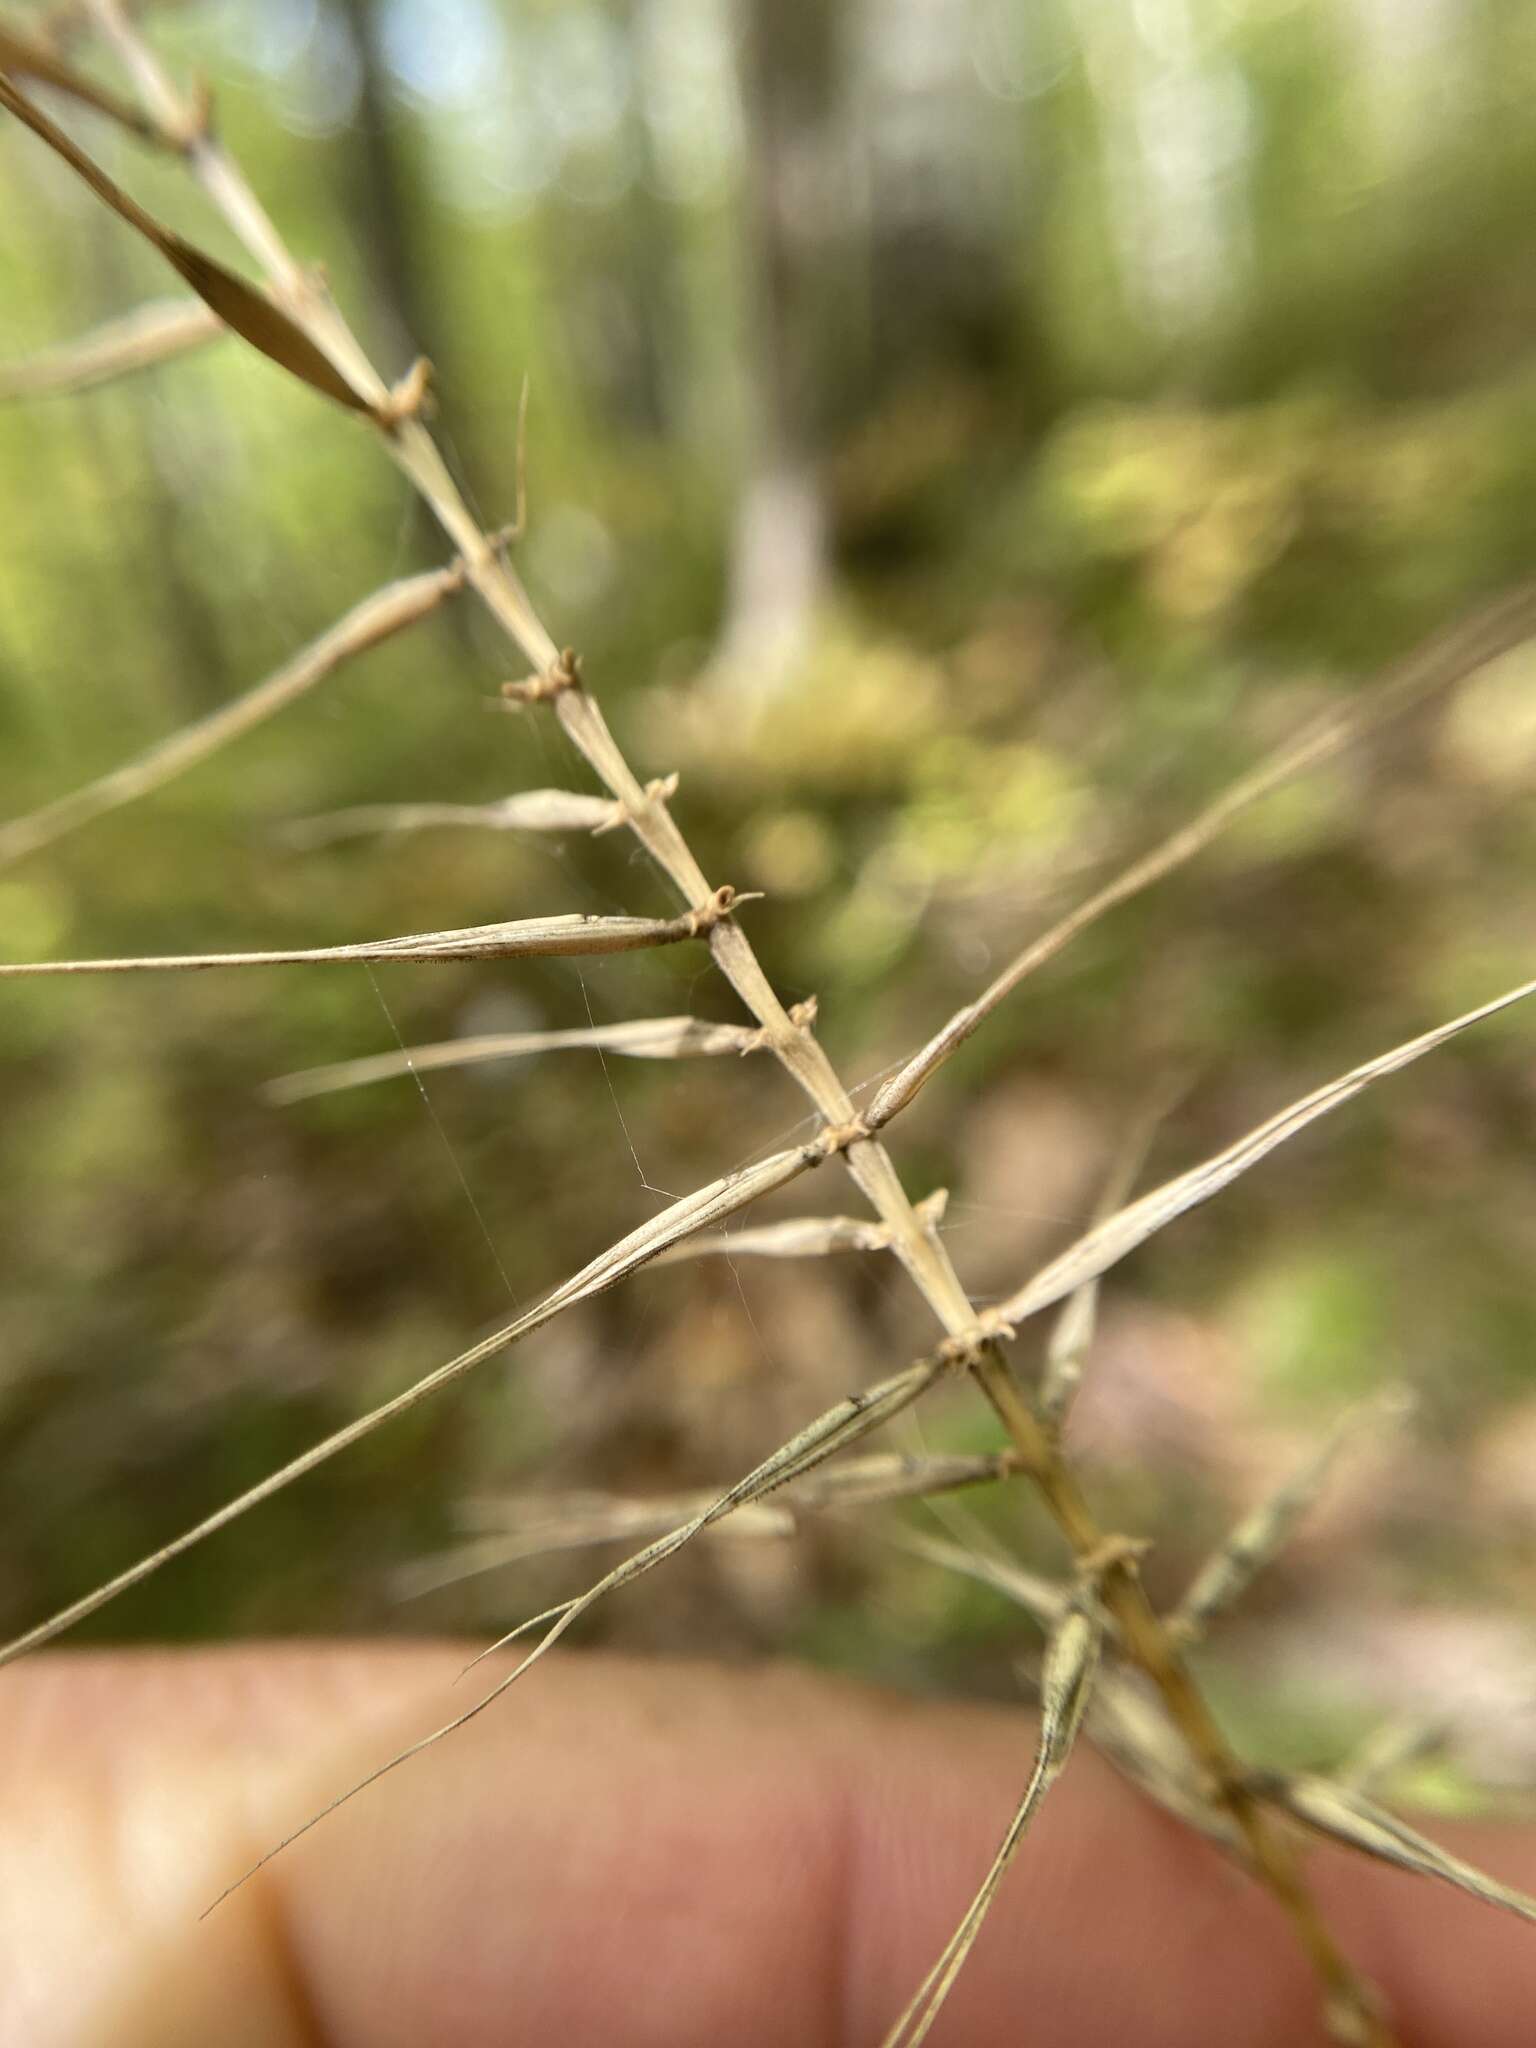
(363, 821)
(920, 1251)
(239, 305)
(841, 1424)
(1355, 1822)
(535, 810)
(1440, 663)
(1126, 1720)
(1389, 1749)
(1125, 1717)
(705, 1207)
(807, 1237)
(973, 1341)
(1130, 1726)
(515, 1530)
(1104, 1247)
(385, 612)
(408, 399)
(1046, 1599)
(845, 1422)
(789, 1037)
(649, 1038)
(580, 1521)
(555, 810)
(532, 810)
(1066, 1684)
(140, 340)
(527, 938)
(1261, 1535)
(897, 1475)
(1072, 1337)
(23, 58)
(797, 1237)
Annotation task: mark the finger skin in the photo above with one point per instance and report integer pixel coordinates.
(641, 1854)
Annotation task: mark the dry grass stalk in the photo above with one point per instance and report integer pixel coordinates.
(1134, 1732)
(255, 319)
(899, 1475)
(518, 1529)
(844, 1423)
(1126, 1720)
(650, 1038)
(1349, 1818)
(840, 1425)
(24, 57)
(579, 1521)
(1071, 1339)
(1444, 660)
(1103, 1247)
(378, 617)
(573, 936)
(140, 340)
(414, 452)
(1127, 1724)
(807, 1237)
(1066, 1684)
(1262, 1535)
(1047, 1600)
(971, 1340)
(705, 1206)
(376, 820)
(1389, 1749)
(532, 810)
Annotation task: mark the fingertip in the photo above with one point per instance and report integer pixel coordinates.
(646, 1854)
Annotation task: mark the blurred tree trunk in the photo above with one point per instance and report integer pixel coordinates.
(385, 204)
(795, 224)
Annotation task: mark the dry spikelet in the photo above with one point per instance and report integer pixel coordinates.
(1261, 1536)
(844, 1423)
(572, 936)
(379, 616)
(1126, 1721)
(1070, 1340)
(139, 340)
(1128, 1725)
(1047, 1600)
(900, 1475)
(1066, 1684)
(1389, 1749)
(651, 1038)
(534, 810)
(514, 1530)
(24, 58)
(1443, 660)
(1099, 1249)
(1356, 1822)
(807, 1237)
(239, 305)
(705, 1206)
(841, 1424)
(551, 1524)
